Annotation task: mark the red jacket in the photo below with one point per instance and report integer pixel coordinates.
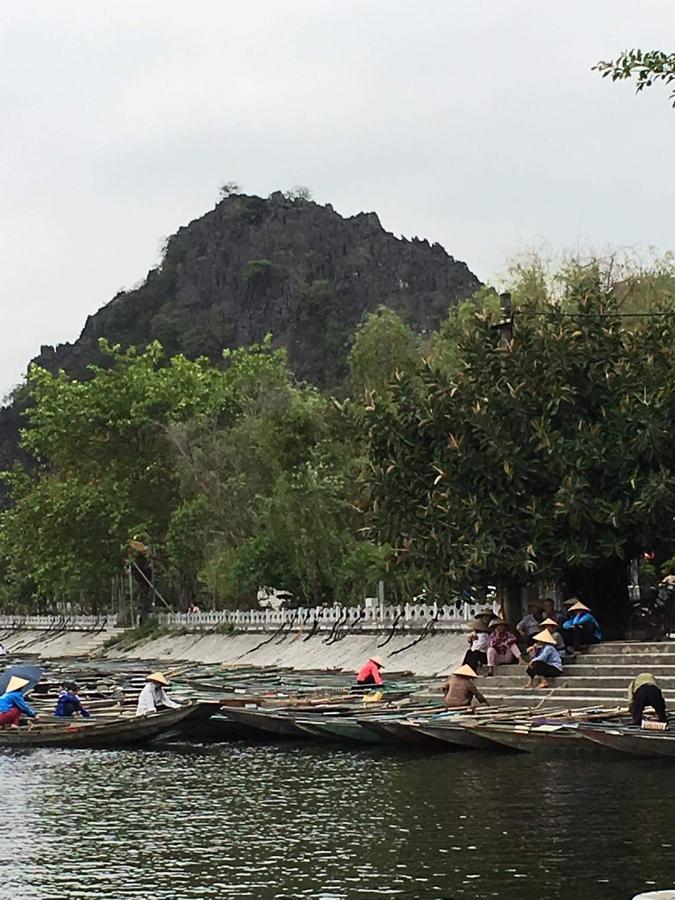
(370, 669)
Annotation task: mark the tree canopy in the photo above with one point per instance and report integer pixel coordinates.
(645, 66)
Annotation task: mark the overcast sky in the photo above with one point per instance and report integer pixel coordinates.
(475, 123)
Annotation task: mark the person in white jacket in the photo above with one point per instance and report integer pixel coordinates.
(153, 697)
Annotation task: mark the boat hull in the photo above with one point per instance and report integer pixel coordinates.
(456, 735)
(122, 731)
(635, 744)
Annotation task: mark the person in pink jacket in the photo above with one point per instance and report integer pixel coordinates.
(370, 673)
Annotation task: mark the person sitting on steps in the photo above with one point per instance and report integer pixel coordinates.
(581, 629)
(478, 638)
(546, 662)
(502, 647)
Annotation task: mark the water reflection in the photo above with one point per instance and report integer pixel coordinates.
(290, 821)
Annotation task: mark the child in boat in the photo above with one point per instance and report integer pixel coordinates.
(370, 672)
(643, 692)
(460, 688)
(69, 704)
(546, 662)
(13, 705)
(153, 697)
(502, 646)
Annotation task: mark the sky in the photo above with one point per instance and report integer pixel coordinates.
(475, 123)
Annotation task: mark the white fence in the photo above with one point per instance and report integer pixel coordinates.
(409, 616)
(57, 623)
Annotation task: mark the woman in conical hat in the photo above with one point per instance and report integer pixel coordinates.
(13, 705)
(153, 697)
(370, 672)
(581, 628)
(478, 639)
(460, 688)
(552, 626)
(546, 662)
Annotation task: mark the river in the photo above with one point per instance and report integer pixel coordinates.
(310, 820)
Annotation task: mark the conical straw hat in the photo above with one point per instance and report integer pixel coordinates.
(15, 683)
(158, 678)
(579, 606)
(378, 661)
(549, 622)
(544, 637)
(466, 671)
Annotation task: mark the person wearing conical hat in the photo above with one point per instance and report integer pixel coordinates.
(478, 639)
(153, 697)
(370, 672)
(581, 628)
(460, 689)
(546, 662)
(13, 704)
(503, 646)
(552, 626)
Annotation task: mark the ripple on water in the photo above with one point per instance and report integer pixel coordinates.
(290, 821)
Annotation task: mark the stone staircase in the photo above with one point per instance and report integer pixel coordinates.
(598, 676)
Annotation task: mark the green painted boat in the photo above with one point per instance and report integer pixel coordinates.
(341, 729)
(455, 734)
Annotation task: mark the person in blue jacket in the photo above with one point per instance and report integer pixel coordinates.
(13, 704)
(581, 629)
(69, 704)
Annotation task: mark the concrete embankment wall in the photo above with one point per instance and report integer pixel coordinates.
(434, 654)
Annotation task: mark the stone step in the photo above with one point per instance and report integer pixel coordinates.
(632, 647)
(571, 689)
(596, 682)
(548, 699)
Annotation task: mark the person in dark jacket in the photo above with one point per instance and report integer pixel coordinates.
(69, 704)
(643, 692)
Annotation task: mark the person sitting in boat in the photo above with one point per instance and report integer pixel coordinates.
(153, 697)
(581, 629)
(68, 703)
(13, 703)
(552, 626)
(478, 639)
(546, 662)
(460, 689)
(370, 672)
(644, 692)
(502, 645)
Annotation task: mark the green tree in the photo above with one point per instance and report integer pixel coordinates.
(551, 455)
(383, 345)
(645, 66)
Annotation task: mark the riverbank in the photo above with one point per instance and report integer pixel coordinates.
(428, 654)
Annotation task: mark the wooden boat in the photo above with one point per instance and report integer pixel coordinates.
(528, 738)
(399, 730)
(455, 733)
(279, 723)
(631, 740)
(119, 731)
(341, 729)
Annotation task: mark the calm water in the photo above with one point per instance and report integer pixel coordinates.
(287, 821)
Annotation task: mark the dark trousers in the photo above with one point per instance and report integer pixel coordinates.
(475, 659)
(542, 668)
(579, 636)
(648, 695)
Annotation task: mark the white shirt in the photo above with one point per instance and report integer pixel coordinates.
(152, 696)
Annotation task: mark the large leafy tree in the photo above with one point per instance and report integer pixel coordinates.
(545, 455)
